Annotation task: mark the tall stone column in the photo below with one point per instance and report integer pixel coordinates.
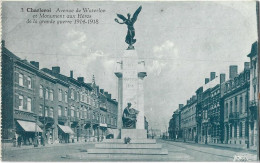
(130, 86)
(120, 107)
(140, 118)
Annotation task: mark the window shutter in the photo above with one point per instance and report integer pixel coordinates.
(16, 101)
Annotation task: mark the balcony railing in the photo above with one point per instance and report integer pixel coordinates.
(87, 121)
(74, 119)
(233, 116)
(62, 118)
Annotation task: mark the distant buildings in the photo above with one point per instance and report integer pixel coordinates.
(46, 103)
(188, 119)
(222, 112)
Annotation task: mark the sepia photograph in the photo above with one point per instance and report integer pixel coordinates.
(130, 81)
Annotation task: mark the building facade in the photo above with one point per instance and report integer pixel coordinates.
(253, 97)
(174, 124)
(48, 104)
(236, 96)
(226, 111)
(188, 120)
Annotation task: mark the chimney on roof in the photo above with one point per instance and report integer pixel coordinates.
(232, 71)
(180, 106)
(102, 91)
(206, 80)
(56, 69)
(81, 79)
(71, 73)
(212, 75)
(246, 65)
(109, 96)
(35, 64)
(222, 78)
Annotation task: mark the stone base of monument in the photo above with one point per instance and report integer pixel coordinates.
(139, 145)
(134, 133)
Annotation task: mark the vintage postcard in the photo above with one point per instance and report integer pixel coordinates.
(129, 81)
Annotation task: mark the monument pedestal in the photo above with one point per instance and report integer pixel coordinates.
(130, 72)
(134, 133)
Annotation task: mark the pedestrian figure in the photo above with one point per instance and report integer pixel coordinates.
(14, 141)
(19, 141)
(42, 141)
(30, 141)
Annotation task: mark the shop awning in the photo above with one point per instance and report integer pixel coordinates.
(109, 131)
(66, 129)
(29, 126)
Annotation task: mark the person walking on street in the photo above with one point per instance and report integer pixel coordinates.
(19, 141)
(14, 141)
(42, 141)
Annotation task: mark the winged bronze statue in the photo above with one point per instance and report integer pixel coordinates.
(129, 39)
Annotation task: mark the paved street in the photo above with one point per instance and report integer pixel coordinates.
(178, 151)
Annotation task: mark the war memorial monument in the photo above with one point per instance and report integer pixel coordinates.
(130, 139)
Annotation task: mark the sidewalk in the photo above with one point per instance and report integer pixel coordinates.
(226, 146)
(27, 147)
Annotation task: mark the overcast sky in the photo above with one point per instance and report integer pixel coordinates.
(181, 43)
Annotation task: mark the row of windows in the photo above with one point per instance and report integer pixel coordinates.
(189, 120)
(48, 111)
(236, 82)
(48, 93)
(24, 81)
(24, 103)
(237, 107)
(232, 130)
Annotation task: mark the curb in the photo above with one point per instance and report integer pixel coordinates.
(215, 145)
(46, 146)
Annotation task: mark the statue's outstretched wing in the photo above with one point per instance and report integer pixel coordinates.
(134, 18)
(121, 17)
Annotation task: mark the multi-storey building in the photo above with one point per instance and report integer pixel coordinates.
(85, 110)
(174, 124)
(235, 98)
(49, 104)
(208, 115)
(226, 111)
(46, 103)
(18, 103)
(253, 97)
(216, 113)
(188, 120)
